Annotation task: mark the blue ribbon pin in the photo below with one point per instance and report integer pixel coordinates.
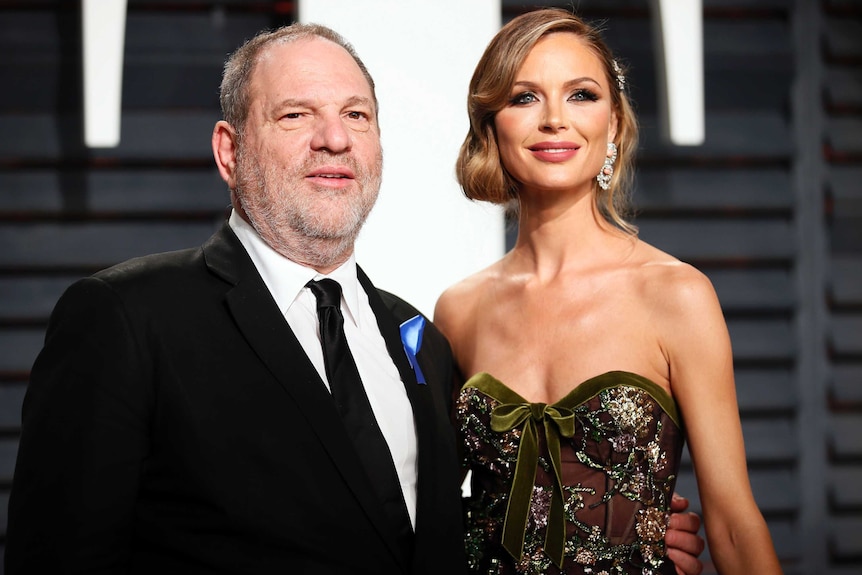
(411, 337)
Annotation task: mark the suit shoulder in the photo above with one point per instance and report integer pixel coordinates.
(152, 265)
(171, 277)
(401, 309)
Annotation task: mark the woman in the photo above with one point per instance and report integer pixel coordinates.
(585, 347)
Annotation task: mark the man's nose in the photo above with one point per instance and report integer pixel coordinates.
(330, 133)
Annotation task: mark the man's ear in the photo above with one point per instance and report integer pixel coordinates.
(224, 142)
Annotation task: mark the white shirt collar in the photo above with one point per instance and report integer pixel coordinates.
(285, 278)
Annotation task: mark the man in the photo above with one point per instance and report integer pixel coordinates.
(184, 416)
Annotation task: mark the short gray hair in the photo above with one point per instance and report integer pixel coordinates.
(234, 96)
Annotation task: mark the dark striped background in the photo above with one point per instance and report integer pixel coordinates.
(770, 208)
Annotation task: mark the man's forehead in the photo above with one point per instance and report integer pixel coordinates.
(308, 73)
(311, 50)
(307, 58)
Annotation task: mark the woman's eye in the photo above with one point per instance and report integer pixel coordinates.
(525, 98)
(584, 96)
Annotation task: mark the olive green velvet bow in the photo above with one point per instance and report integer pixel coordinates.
(558, 421)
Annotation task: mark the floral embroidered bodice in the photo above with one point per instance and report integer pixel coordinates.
(580, 486)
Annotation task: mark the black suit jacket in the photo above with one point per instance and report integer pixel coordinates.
(173, 424)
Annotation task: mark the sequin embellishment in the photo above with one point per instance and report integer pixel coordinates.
(618, 474)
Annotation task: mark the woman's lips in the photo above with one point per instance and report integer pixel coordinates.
(554, 151)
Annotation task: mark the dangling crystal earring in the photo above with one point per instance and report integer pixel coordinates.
(604, 177)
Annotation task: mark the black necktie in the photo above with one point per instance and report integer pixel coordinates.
(352, 403)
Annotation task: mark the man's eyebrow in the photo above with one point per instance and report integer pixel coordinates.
(359, 101)
(308, 103)
(294, 103)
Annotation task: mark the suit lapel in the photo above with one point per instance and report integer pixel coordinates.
(419, 396)
(389, 328)
(267, 332)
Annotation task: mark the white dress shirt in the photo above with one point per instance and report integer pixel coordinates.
(286, 281)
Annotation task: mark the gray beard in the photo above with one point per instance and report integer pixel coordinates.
(287, 224)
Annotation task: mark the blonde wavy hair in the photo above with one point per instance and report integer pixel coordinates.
(479, 169)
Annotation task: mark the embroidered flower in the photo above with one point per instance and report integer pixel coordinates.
(585, 557)
(540, 506)
(628, 408)
(657, 457)
(623, 443)
(651, 524)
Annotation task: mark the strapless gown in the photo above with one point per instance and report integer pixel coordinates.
(580, 486)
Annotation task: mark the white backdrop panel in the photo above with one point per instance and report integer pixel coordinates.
(423, 235)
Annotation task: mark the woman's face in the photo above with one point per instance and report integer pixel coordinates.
(554, 131)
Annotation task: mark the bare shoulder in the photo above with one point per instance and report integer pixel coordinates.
(672, 286)
(457, 304)
(685, 311)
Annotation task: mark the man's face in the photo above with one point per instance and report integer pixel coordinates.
(309, 165)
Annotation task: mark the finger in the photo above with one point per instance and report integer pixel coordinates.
(685, 564)
(685, 541)
(684, 522)
(678, 503)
